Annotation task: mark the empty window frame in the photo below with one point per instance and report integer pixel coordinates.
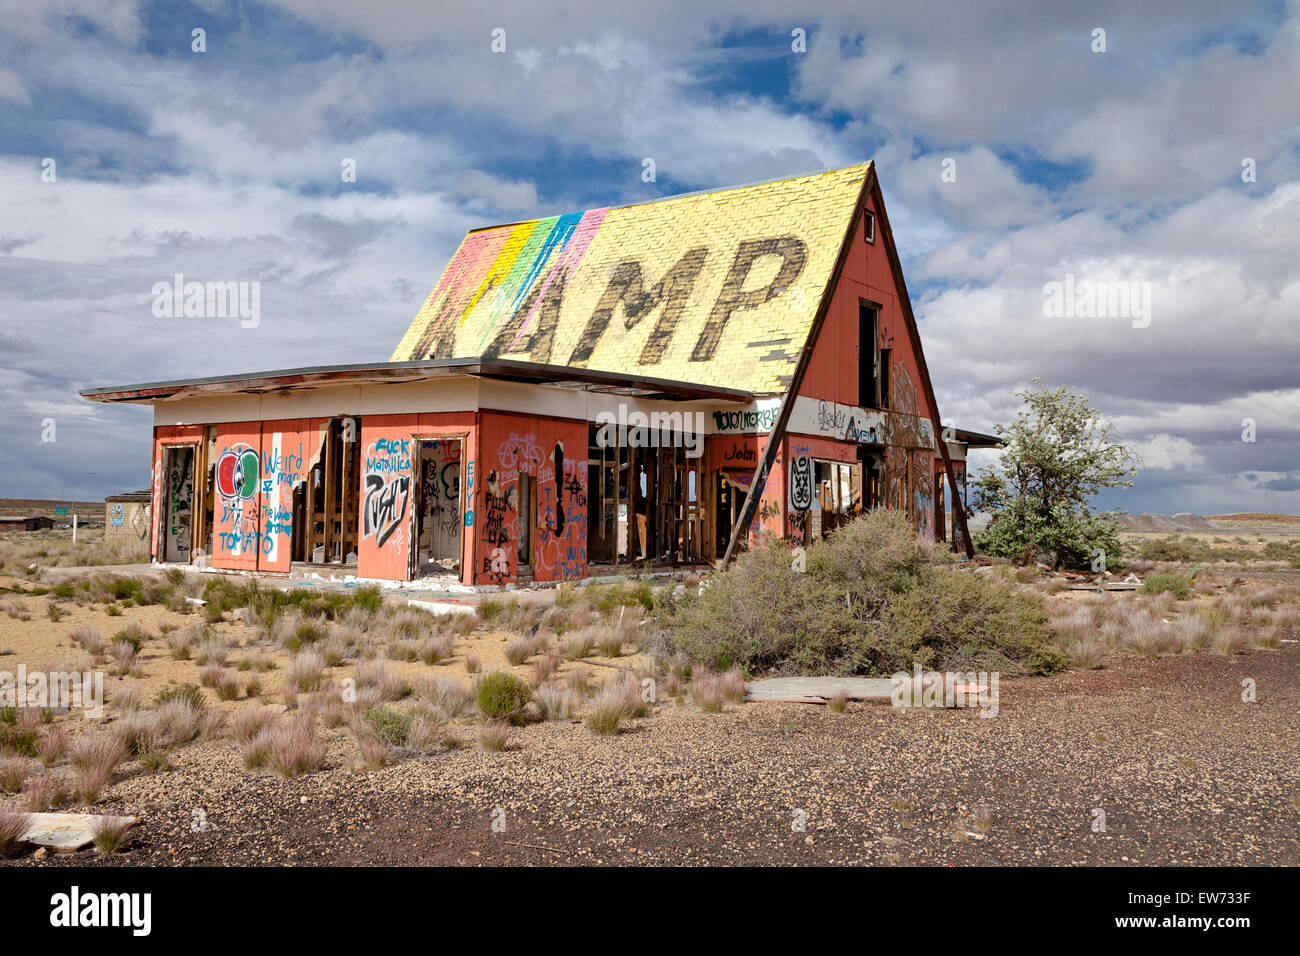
(869, 355)
(837, 495)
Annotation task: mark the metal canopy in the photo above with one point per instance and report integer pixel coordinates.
(561, 376)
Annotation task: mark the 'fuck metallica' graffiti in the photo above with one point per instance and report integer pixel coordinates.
(388, 488)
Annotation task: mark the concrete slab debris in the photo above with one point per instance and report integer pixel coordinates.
(442, 607)
(67, 832)
(816, 690)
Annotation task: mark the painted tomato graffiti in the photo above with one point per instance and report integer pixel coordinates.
(237, 473)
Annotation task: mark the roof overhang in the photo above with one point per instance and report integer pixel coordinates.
(384, 373)
(976, 439)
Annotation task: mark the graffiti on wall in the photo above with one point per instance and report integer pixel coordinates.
(799, 484)
(387, 491)
(440, 499)
(800, 479)
(499, 517)
(557, 543)
(868, 426)
(745, 420)
(237, 473)
(282, 471)
(737, 454)
(180, 502)
(923, 493)
(236, 484)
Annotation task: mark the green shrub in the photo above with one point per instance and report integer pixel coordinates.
(874, 599)
(368, 598)
(132, 635)
(20, 739)
(500, 695)
(626, 593)
(1176, 584)
(392, 725)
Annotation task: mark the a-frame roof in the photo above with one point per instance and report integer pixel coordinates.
(717, 288)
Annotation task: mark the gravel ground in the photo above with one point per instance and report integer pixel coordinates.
(1184, 771)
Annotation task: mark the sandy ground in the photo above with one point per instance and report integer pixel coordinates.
(42, 644)
(1184, 771)
(1165, 752)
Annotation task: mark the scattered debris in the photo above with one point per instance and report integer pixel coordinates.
(442, 607)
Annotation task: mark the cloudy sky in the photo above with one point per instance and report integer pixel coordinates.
(1132, 165)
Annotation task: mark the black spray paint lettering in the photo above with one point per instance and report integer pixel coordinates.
(800, 483)
(627, 286)
(385, 506)
(794, 255)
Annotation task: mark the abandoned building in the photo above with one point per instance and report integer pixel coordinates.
(620, 386)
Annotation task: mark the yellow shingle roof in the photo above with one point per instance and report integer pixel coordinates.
(718, 288)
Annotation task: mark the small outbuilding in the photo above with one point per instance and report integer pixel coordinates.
(126, 516)
(26, 523)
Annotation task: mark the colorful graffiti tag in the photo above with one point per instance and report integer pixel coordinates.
(387, 491)
(282, 471)
(237, 473)
(237, 484)
(553, 545)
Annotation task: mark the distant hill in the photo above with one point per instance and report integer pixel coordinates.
(1173, 524)
(1168, 524)
(1256, 519)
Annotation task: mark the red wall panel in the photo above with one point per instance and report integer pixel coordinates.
(289, 447)
(387, 483)
(236, 510)
(554, 453)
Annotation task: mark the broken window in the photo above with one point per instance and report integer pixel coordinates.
(644, 503)
(836, 495)
(326, 505)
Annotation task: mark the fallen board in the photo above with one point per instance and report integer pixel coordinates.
(67, 832)
(815, 690)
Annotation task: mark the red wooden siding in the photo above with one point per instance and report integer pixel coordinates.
(237, 495)
(289, 447)
(513, 444)
(387, 483)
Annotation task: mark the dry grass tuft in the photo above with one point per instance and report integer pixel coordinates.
(494, 735)
(305, 672)
(13, 773)
(556, 702)
(13, 824)
(110, 834)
